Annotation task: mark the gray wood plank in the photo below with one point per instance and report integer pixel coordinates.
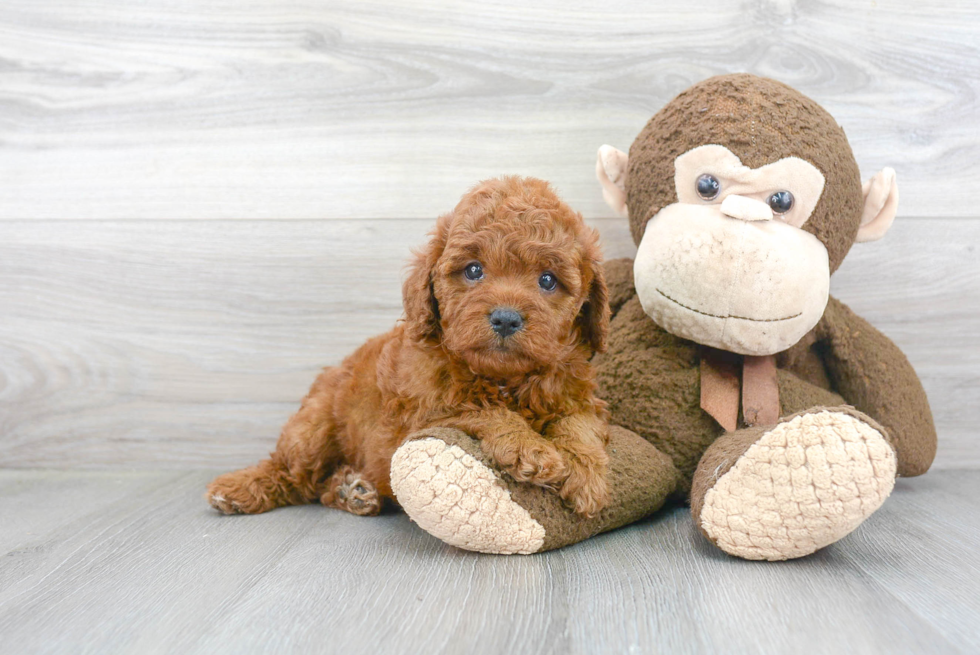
(164, 573)
(326, 109)
(188, 343)
(921, 542)
(63, 513)
(33, 506)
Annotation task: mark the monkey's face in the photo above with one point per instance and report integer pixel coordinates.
(728, 264)
(737, 239)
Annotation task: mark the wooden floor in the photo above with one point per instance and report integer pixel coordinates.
(136, 562)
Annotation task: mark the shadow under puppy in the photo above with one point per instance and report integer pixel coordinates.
(504, 307)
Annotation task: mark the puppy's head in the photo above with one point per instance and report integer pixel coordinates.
(510, 281)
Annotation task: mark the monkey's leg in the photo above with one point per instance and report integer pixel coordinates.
(306, 453)
(786, 490)
(455, 491)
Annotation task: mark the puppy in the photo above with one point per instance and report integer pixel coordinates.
(504, 307)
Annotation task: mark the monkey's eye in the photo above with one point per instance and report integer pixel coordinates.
(473, 272)
(548, 281)
(781, 202)
(708, 186)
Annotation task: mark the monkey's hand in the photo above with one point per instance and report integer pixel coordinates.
(873, 374)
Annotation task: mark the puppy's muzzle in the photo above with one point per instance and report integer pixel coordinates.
(505, 321)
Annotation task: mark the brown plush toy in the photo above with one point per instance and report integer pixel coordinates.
(779, 413)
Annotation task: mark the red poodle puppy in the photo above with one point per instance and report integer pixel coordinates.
(503, 309)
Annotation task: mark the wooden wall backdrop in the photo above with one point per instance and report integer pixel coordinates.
(203, 202)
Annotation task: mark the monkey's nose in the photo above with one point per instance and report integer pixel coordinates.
(745, 209)
(505, 321)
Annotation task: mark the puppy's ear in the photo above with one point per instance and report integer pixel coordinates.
(418, 295)
(593, 320)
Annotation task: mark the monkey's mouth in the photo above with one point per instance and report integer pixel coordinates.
(741, 318)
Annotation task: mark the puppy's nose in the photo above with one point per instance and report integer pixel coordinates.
(505, 321)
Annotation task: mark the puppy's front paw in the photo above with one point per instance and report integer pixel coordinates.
(532, 460)
(586, 490)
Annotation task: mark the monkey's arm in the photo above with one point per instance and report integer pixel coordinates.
(872, 374)
(619, 281)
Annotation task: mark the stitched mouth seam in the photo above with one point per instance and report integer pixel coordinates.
(741, 318)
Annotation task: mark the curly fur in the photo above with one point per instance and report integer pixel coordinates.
(529, 398)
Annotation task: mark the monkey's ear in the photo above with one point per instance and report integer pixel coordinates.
(880, 206)
(610, 168)
(418, 295)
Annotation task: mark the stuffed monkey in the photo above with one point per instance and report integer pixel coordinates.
(743, 386)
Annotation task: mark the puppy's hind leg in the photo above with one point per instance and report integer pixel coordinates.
(306, 453)
(350, 491)
(253, 490)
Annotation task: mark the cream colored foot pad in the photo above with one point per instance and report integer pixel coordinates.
(456, 498)
(802, 486)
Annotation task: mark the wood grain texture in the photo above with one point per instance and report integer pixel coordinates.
(160, 572)
(936, 507)
(320, 109)
(188, 343)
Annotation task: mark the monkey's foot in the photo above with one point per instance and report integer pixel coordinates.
(782, 492)
(456, 497)
(348, 491)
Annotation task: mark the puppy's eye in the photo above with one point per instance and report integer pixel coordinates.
(473, 271)
(548, 281)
